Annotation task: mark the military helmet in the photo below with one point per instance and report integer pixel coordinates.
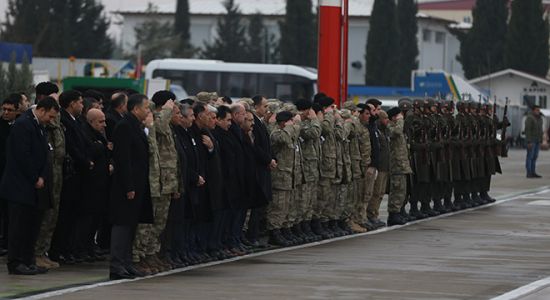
(418, 103)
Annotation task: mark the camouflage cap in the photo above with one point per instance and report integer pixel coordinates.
(213, 96)
(289, 107)
(203, 97)
(247, 101)
(350, 105)
(345, 113)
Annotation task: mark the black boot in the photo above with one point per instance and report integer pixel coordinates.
(438, 207)
(427, 210)
(318, 229)
(327, 229)
(287, 234)
(277, 239)
(306, 229)
(449, 206)
(297, 231)
(485, 196)
(333, 225)
(468, 203)
(415, 212)
(477, 201)
(395, 219)
(405, 216)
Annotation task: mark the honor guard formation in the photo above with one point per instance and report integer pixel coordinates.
(163, 183)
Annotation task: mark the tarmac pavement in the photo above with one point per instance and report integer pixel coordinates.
(476, 254)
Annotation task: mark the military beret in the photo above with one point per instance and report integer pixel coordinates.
(393, 112)
(374, 101)
(404, 103)
(317, 97)
(382, 114)
(350, 105)
(213, 96)
(284, 116)
(303, 104)
(326, 102)
(362, 107)
(316, 107)
(289, 107)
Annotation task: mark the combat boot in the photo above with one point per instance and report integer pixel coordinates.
(449, 204)
(395, 219)
(438, 207)
(356, 227)
(345, 227)
(291, 238)
(377, 223)
(277, 239)
(317, 229)
(405, 216)
(467, 201)
(427, 210)
(416, 213)
(297, 231)
(327, 229)
(306, 228)
(333, 226)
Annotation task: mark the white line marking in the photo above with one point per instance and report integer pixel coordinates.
(506, 198)
(524, 290)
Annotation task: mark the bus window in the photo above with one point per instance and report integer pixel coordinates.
(192, 81)
(238, 85)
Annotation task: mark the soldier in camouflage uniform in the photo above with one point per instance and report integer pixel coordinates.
(477, 161)
(406, 107)
(283, 144)
(440, 164)
(356, 169)
(56, 141)
(451, 138)
(463, 175)
(421, 161)
(400, 167)
(309, 140)
(492, 150)
(344, 189)
(366, 182)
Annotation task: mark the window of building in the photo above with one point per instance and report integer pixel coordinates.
(467, 19)
(440, 37)
(426, 35)
(543, 102)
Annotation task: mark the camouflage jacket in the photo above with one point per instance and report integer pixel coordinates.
(154, 159)
(363, 135)
(284, 148)
(399, 153)
(328, 147)
(310, 134)
(168, 156)
(354, 149)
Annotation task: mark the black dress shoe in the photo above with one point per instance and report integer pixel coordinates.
(134, 271)
(39, 270)
(22, 269)
(120, 274)
(537, 175)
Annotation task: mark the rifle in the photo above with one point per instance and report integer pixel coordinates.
(504, 148)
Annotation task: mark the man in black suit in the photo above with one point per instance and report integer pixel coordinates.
(265, 163)
(130, 194)
(10, 108)
(76, 163)
(25, 184)
(116, 111)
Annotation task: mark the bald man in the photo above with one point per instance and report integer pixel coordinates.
(95, 183)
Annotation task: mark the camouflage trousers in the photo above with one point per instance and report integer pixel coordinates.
(148, 241)
(295, 206)
(49, 221)
(360, 211)
(310, 193)
(398, 192)
(346, 200)
(325, 200)
(378, 191)
(277, 210)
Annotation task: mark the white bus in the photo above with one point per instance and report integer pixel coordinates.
(236, 80)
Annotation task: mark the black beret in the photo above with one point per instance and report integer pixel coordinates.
(284, 116)
(326, 102)
(318, 97)
(316, 107)
(303, 104)
(188, 101)
(393, 112)
(374, 101)
(362, 107)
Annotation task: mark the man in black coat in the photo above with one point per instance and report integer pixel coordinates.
(76, 163)
(265, 162)
(115, 112)
(95, 192)
(10, 108)
(130, 194)
(25, 184)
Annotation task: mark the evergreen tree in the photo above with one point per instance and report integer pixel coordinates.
(59, 27)
(182, 46)
(257, 37)
(382, 55)
(25, 76)
(408, 43)
(151, 38)
(230, 44)
(527, 40)
(298, 34)
(482, 48)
